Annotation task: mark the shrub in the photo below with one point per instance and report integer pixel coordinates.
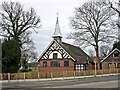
(24, 70)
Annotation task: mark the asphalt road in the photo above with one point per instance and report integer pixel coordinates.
(93, 82)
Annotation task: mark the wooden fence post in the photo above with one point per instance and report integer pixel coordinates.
(110, 71)
(28, 75)
(38, 76)
(8, 77)
(24, 76)
(46, 74)
(51, 76)
(16, 76)
(63, 75)
(1, 76)
(74, 74)
(114, 70)
(84, 73)
(93, 72)
(117, 70)
(79, 73)
(90, 72)
(102, 72)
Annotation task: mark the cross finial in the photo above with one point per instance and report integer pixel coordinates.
(57, 15)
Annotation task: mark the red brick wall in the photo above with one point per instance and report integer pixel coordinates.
(91, 66)
(105, 65)
(61, 68)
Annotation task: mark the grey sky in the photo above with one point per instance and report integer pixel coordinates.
(47, 10)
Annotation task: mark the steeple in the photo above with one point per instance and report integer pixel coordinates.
(57, 34)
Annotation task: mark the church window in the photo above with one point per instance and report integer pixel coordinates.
(118, 65)
(80, 67)
(55, 64)
(111, 64)
(66, 63)
(55, 55)
(116, 55)
(44, 64)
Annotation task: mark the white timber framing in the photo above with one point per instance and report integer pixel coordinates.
(55, 46)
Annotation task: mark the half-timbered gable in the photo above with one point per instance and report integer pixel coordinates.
(55, 47)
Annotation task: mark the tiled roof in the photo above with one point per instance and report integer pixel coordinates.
(109, 57)
(77, 53)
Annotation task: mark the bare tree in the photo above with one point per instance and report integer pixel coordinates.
(114, 8)
(18, 24)
(104, 50)
(91, 25)
(26, 56)
(15, 22)
(117, 9)
(91, 53)
(24, 59)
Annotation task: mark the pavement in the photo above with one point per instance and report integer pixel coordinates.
(105, 84)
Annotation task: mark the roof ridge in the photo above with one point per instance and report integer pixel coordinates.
(71, 45)
(110, 54)
(77, 47)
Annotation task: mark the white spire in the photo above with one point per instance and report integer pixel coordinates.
(57, 32)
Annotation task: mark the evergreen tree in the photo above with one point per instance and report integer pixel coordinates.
(11, 55)
(116, 45)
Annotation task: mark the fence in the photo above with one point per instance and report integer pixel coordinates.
(41, 75)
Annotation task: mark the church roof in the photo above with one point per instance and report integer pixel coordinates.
(77, 53)
(109, 57)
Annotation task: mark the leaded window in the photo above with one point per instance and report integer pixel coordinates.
(44, 64)
(55, 55)
(66, 63)
(116, 55)
(118, 65)
(55, 64)
(80, 67)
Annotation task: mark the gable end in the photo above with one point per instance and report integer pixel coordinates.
(55, 47)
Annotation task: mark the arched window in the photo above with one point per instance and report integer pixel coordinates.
(55, 55)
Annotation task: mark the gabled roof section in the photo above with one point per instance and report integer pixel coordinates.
(45, 50)
(50, 46)
(110, 54)
(76, 52)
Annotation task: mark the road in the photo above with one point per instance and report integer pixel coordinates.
(94, 82)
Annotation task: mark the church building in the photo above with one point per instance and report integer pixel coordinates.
(112, 60)
(61, 56)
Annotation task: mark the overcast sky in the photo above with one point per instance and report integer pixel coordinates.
(47, 10)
